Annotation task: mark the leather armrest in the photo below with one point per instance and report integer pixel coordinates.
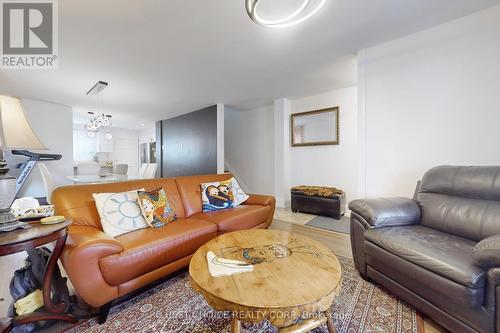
(263, 200)
(85, 246)
(387, 212)
(80, 237)
(258, 199)
(493, 292)
(486, 253)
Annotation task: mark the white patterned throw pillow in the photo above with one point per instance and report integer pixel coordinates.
(119, 212)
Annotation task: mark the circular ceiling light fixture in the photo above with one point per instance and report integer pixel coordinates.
(305, 11)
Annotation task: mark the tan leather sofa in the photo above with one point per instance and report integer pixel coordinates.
(102, 268)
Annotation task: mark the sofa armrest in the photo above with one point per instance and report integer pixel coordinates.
(387, 212)
(85, 246)
(263, 200)
(486, 253)
(87, 236)
(492, 298)
(259, 199)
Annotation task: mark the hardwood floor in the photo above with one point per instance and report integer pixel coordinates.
(284, 220)
(338, 243)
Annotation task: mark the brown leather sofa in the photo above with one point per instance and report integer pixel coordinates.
(440, 251)
(103, 269)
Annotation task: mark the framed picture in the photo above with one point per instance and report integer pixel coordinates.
(315, 128)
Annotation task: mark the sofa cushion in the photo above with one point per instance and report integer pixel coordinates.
(442, 292)
(237, 218)
(190, 190)
(461, 200)
(473, 182)
(75, 202)
(444, 254)
(474, 219)
(151, 248)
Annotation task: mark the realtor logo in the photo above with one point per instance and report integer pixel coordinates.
(29, 34)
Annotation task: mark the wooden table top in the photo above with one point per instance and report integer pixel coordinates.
(36, 231)
(295, 270)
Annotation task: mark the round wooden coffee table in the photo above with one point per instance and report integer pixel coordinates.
(293, 283)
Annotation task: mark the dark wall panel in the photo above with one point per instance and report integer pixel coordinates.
(189, 143)
(159, 150)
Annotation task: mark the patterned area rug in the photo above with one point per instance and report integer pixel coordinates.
(174, 307)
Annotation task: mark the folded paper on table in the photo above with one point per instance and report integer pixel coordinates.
(225, 267)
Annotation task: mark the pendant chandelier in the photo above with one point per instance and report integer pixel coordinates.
(97, 121)
(305, 11)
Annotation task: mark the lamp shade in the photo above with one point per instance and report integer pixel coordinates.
(15, 131)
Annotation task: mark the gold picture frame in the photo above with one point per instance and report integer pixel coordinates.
(297, 133)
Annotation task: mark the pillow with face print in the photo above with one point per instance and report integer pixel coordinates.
(155, 207)
(221, 195)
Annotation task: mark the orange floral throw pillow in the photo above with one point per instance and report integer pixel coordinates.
(155, 207)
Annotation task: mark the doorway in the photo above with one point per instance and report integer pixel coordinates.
(126, 151)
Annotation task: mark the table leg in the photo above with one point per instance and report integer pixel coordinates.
(52, 311)
(47, 279)
(236, 325)
(5, 324)
(42, 316)
(304, 326)
(329, 321)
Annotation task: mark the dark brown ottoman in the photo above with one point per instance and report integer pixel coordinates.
(318, 200)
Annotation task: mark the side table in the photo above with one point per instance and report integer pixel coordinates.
(23, 240)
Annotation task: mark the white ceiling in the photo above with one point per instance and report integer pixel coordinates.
(164, 58)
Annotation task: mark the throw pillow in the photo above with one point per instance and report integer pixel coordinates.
(155, 207)
(238, 194)
(222, 195)
(119, 212)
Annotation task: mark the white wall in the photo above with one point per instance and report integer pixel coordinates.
(249, 148)
(129, 138)
(282, 151)
(86, 149)
(53, 124)
(427, 99)
(329, 165)
(423, 100)
(83, 145)
(147, 135)
(258, 148)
